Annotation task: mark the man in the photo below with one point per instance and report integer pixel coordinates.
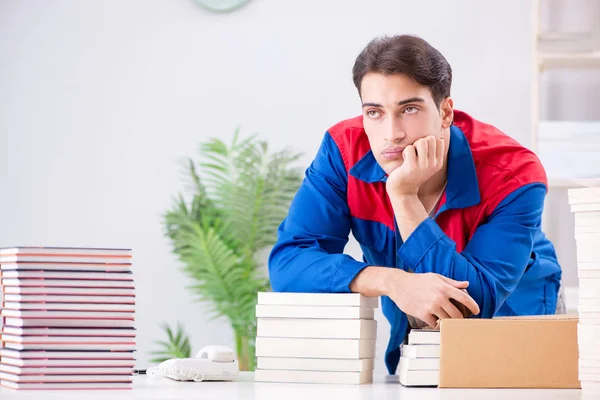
(446, 208)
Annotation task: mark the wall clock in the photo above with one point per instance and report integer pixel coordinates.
(221, 5)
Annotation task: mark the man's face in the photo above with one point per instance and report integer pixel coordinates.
(397, 111)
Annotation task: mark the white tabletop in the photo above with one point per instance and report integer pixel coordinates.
(246, 388)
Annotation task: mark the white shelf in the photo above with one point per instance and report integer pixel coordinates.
(564, 183)
(569, 150)
(569, 60)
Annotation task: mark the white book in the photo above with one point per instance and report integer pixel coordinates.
(66, 340)
(65, 283)
(66, 363)
(591, 350)
(283, 376)
(66, 314)
(317, 328)
(64, 254)
(585, 353)
(317, 299)
(263, 311)
(585, 207)
(590, 386)
(586, 238)
(10, 369)
(589, 363)
(73, 251)
(68, 346)
(419, 364)
(69, 291)
(589, 305)
(49, 306)
(66, 355)
(315, 364)
(589, 377)
(587, 253)
(65, 378)
(80, 332)
(577, 195)
(420, 350)
(588, 330)
(588, 293)
(71, 323)
(419, 378)
(130, 308)
(587, 218)
(55, 266)
(67, 386)
(588, 315)
(589, 273)
(589, 321)
(589, 288)
(423, 336)
(315, 348)
(590, 371)
(112, 276)
(585, 266)
(34, 298)
(582, 231)
(64, 259)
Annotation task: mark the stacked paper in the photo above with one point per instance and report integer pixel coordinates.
(67, 318)
(420, 360)
(585, 205)
(315, 338)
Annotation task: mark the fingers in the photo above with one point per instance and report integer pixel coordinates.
(409, 155)
(422, 152)
(430, 320)
(456, 284)
(463, 298)
(464, 310)
(452, 311)
(431, 151)
(440, 150)
(441, 312)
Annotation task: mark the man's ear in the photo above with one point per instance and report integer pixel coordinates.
(447, 112)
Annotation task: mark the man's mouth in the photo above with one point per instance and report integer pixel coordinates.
(393, 153)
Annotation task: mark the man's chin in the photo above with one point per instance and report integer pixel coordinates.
(390, 167)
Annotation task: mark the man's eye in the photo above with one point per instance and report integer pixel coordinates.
(411, 110)
(374, 113)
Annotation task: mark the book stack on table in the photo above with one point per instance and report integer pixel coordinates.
(420, 360)
(585, 205)
(67, 318)
(315, 338)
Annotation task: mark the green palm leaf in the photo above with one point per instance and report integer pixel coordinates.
(176, 346)
(237, 195)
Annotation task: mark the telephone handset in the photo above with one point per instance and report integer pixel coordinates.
(212, 363)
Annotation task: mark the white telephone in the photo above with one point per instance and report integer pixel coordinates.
(212, 363)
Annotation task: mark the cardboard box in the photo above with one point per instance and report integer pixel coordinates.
(511, 352)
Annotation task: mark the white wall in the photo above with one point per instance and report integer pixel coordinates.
(568, 94)
(100, 99)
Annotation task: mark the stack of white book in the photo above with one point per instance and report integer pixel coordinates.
(420, 360)
(67, 318)
(315, 338)
(585, 205)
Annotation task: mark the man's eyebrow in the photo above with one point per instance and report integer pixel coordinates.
(400, 103)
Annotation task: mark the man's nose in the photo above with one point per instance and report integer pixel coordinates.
(394, 130)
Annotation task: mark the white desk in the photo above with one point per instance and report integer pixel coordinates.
(245, 388)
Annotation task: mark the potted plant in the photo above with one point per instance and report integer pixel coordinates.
(239, 194)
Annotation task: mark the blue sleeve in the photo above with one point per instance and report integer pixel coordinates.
(495, 258)
(307, 256)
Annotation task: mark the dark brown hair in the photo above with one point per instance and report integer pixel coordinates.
(408, 55)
